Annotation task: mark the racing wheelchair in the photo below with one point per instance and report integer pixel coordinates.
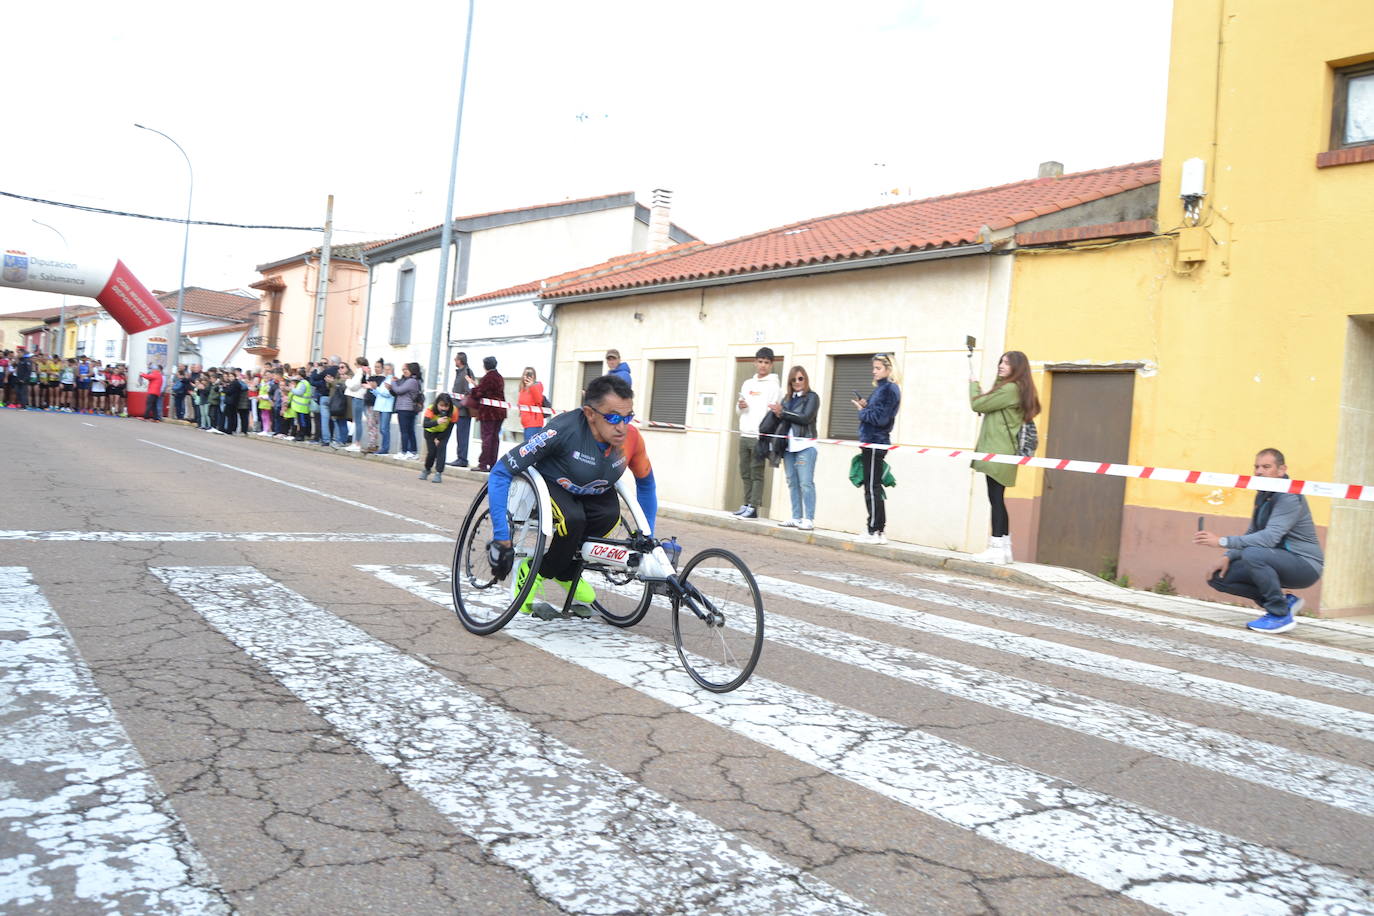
(717, 609)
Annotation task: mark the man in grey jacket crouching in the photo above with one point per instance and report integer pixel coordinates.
(1279, 550)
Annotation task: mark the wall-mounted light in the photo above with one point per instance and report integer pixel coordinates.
(1192, 187)
(639, 316)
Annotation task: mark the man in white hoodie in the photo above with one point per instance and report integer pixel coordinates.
(757, 392)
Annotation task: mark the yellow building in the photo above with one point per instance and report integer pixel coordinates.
(1247, 323)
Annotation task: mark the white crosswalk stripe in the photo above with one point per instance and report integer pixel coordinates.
(589, 838)
(83, 823)
(1268, 765)
(1243, 662)
(579, 830)
(1161, 621)
(1150, 856)
(1194, 686)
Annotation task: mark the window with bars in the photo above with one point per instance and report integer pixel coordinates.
(848, 374)
(405, 299)
(668, 401)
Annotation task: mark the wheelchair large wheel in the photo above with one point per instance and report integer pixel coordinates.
(720, 639)
(484, 603)
(621, 599)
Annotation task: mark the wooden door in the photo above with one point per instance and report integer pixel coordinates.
(1080, 514)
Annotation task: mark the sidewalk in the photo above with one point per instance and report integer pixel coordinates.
(1355, 634)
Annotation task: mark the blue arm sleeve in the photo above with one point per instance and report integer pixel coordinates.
(498, 491)
(646, 491)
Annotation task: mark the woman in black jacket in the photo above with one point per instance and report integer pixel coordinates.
(797, 414)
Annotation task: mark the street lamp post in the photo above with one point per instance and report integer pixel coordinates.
(62, 315)
(175, 349)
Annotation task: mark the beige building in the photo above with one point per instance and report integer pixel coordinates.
(290, 325)
(912, 280)
(491, 251)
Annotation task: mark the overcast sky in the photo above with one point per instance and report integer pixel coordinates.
(755, 113)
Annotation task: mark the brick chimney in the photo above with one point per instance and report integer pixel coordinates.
(659, 221)
(1051, 169)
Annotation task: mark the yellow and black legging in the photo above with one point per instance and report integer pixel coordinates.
(574, 517)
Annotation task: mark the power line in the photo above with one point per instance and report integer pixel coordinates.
(164, 219)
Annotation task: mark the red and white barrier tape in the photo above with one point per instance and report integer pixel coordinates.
(1110, 469)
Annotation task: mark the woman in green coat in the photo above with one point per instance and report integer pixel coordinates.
(1011, 402)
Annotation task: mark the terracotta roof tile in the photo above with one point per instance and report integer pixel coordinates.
(936, 222)
(211, 303)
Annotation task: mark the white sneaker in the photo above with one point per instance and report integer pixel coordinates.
(994, 554)
(399, 456)
(790, 523)
(355, 447)
(879, 537)
(805, 524)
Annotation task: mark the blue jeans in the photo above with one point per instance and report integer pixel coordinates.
(1262, 573)
(358, 408)
(384, 424)
(405, 419)
(801, 482)
(340, 429)
(463, 432)
(320, 408)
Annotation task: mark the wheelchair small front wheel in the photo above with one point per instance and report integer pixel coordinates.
(483, 602)
(718, 620)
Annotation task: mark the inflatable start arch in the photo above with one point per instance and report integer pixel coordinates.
(118, 292)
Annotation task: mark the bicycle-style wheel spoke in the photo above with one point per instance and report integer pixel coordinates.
(719, 630)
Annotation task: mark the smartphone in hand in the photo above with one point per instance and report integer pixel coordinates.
(1200, 520)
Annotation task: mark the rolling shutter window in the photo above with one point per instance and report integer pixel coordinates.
(400, 312)
(668, 403)
(850, 374)
(589, 372)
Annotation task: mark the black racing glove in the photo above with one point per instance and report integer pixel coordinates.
(501, 557)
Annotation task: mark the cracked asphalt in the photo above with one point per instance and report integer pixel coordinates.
(215, 716)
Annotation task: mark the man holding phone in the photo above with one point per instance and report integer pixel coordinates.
(755, 394)
(1278, 550)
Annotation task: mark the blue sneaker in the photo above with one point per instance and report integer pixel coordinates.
(1273, 623)
(1295, 604)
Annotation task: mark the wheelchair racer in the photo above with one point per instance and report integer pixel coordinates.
(581, 454)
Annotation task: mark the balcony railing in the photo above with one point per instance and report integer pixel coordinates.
(259, 341)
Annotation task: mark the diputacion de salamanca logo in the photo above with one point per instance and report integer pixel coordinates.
(16, 268)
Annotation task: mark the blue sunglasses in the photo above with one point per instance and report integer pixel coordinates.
(615, 419)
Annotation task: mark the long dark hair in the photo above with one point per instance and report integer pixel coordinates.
(1021, 375)
(446, 398)
(415, 372)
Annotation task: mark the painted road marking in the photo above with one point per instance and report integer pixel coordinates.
(1153, 857)
(1170, 680)
(303, 489)
(589, 838)
(1276, 768)
(248, 536)
(84, 824)
(1208, 654)
(1195, 627)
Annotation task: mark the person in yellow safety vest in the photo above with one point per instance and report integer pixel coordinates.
(300, 406)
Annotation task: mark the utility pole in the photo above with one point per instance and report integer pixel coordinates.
(446, 234)
(322, 285)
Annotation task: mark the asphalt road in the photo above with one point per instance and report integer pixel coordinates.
(231, 683)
